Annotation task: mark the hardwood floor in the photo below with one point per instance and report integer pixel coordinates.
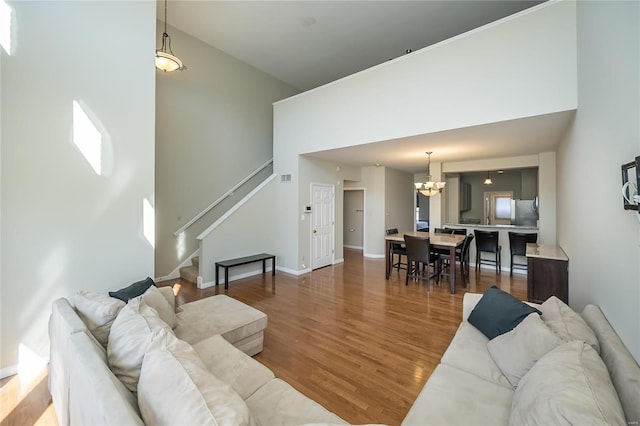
(358, 344)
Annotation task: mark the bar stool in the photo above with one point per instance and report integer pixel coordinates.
(518, 247)
(487, 242)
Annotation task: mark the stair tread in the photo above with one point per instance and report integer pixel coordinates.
(189, 273)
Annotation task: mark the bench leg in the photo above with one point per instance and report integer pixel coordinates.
(226, 278)
(273, 266)
(217, 274)
(264, 266)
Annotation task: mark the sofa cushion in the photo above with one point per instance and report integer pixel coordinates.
(468, 352)
(98, 311)
(518, 350)
(154, 297)
(498, 312)
(567, 323)
(243, 373)
(569, 385)
(278, 403)
(455, 397)
(167, 292)
(134, 290)
(175, 388)
(219, 314)
(130, 337)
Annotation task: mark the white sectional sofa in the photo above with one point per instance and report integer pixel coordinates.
(190, 373)
(195, 364)
(570, 384)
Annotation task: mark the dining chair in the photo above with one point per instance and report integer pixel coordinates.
(518, 247)
(487, 242)
(462, 256)
(439, 251)
(457, 231)
(443, 230)
(419, 257)
(397, 249)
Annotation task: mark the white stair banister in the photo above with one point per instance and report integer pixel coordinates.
(221, 198)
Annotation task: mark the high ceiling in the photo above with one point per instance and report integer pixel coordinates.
(309, 43)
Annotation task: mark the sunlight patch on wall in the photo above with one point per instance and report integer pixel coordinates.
(149, 222)
(87, 138)
(181, 244)
(6, 17)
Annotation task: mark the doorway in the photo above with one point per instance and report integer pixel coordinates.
(322, 225)
(353, 229)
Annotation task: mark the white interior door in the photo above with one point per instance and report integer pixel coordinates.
(322, 222)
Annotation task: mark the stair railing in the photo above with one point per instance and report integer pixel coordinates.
(221, 198)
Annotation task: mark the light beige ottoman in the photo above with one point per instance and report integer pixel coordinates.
(240, 324)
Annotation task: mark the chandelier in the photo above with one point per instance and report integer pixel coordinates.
(429, 187)
(165, 59)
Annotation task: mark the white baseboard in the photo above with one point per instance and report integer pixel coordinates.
(167, 277)
(235, 277)
(335, 262)
(292, 271)
(353, 247)
(374, 256)
(8, 371)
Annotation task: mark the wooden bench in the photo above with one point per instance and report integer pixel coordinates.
(226, 264)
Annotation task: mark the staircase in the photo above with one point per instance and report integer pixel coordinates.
(190, 273)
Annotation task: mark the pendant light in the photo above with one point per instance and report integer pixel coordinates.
(430, 187)
(488, 180)
(165, 59)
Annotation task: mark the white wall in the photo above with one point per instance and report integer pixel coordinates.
(214, 127)
(521, 66)
(399, 200)
(373, 180)
(246, 232)
(64, 227)
(599, 236)
(518, 67)
(547, 211)
(313, 170)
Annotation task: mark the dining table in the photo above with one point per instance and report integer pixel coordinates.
(441, 241)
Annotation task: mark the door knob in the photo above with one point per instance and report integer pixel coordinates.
(314, 231)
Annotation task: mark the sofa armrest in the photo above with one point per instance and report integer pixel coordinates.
(63, 322)
(468, 303)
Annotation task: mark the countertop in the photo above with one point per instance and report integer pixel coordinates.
(507, 227)
(545, 251)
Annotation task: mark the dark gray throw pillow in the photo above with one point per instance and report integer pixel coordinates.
(498, 312)
(134, 290)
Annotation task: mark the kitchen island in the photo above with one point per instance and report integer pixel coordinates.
(503, 239)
